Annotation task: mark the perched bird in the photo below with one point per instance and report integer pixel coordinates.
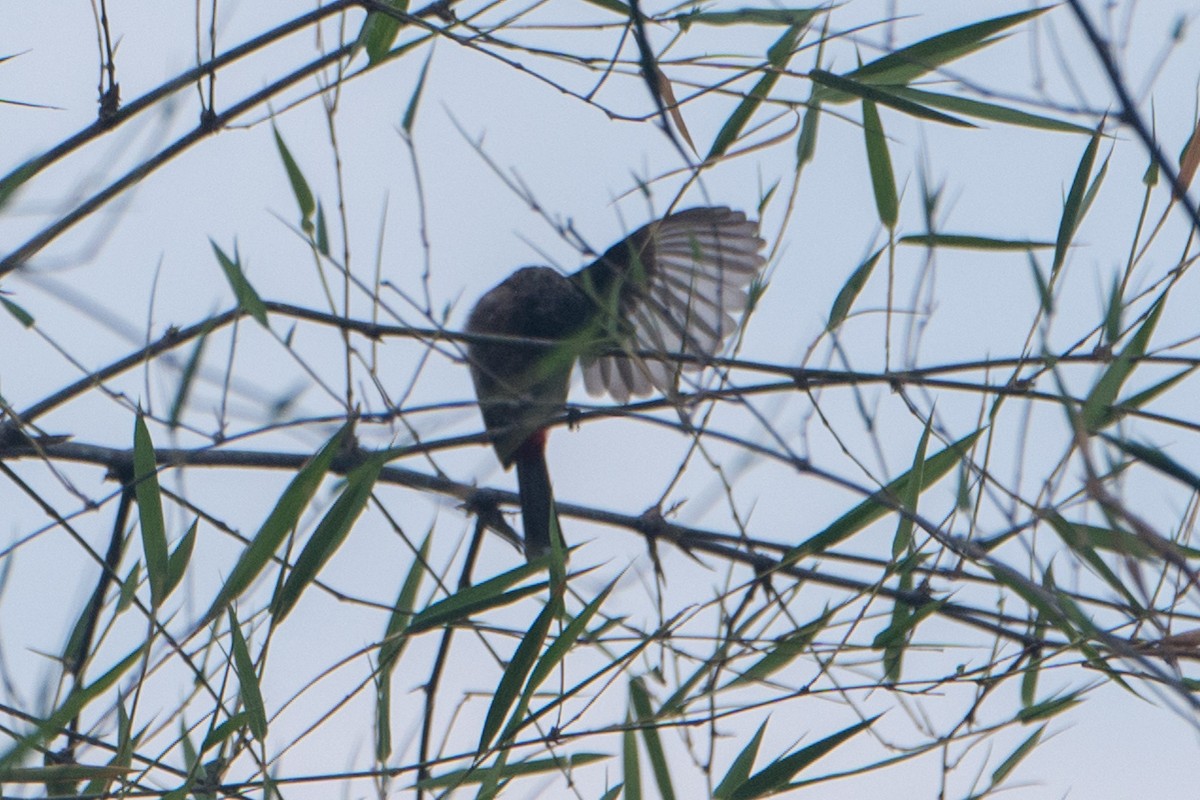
(672, 287)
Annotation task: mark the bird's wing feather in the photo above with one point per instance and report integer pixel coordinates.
(674, 286)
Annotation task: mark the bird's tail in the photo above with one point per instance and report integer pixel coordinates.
(538, 514)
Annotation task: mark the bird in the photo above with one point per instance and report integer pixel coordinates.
(674, 288)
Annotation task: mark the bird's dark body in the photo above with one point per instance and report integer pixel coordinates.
(521, 386)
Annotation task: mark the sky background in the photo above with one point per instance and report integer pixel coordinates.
(145, 262)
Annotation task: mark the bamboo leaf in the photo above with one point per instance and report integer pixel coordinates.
(806, 141)
(881, 502)
(248, 688)
(1098, 407)
(1017, 756)
(644, 717)
(775, 777)
(911, 62)
(1158, 460)
(395, 636)
(177, 563)
(631, 768)
(853, 88)
(796, 17)
(1073, 206)
(986, 111)
(879, 161)
(331, 532)
(1050, 708)
(187, 378)
(739, 771)
(410, 113)
(479, 597)
(778, 57)
(19, 314)
(282, 519)
(912, 494)
(541, 766)
(150, 512)
(1078, 542)
(515, 674)
(379, 31)
(563, 643)
(248, 299)
(850, 291)
(967, 241)
(782, 652)
(61, 773)
(300, 187)
(77, 700)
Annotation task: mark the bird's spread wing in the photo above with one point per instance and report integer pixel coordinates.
(674, 287)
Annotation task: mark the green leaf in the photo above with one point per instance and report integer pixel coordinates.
(615, 6)
(881, 502)
(21, 315)
(806, 141)
(227, 728)
(178, 561)
(1031, 673)
(77, 700)
(631, 766)
(778, 57)
(783, 651)
(883, 180)
(908, 63)
(379, 31)
(150, 512)
(774, 778)
(1049, 708)
(282, 519)
(1098, 407)
(795, 17)
(895, 637)
(1078, 542)
(850, 291)
(1073, 206)
(129, 587)
(322, 238)
(122, 756)
(1114, 312)
(248, 299)
(541, 766)
(1042, 599)
(15, 179)
(300, 188)
(644, 718)
(986, 111)
(967, 241)
(1158, 460)
(248, 688)
(1044, 294)
(912, 494)
(61, 773)
(515, 675)
(852, 88)
(479, 597)
(331, 532)
(187, 378)
(1025, 748)
(563, 643)
(395, 636)
(410, 113)
(739, 771)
